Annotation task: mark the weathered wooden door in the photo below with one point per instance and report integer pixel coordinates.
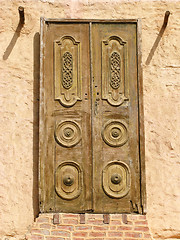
(89, 117)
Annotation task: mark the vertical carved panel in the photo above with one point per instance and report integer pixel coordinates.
(67, 71)
(114, 71)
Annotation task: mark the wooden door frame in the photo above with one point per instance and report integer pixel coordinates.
(43, 22)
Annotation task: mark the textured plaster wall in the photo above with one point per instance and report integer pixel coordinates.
(19, 76)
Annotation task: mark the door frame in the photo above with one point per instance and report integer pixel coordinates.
(43, 22)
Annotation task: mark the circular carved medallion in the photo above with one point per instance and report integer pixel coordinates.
(68, 133)
(115, 133)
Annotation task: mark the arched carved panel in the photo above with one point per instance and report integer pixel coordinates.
(67, 71)
(68, 180)
(68, 133)
(114, 71)
(116, 179)
(115, 133)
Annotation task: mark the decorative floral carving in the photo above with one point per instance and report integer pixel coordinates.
(67, 70)
(115, 70)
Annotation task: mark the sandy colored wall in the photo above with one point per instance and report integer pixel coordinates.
(19, 76)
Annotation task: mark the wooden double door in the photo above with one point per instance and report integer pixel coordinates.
(89, 117)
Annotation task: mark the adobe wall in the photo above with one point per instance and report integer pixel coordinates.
(19, 90)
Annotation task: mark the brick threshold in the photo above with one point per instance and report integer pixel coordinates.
(67, 226)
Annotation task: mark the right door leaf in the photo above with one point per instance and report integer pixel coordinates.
(116, 172)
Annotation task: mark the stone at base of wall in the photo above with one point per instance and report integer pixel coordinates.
(67, 226)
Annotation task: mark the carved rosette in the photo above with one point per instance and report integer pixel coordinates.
(67, 71)
(115, 133)
(68, 180)
(68, 133)
(116, 179)
(114, 71)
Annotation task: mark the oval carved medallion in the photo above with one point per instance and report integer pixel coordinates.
(115, 133)
(68, 133)
(116, 179)
(68, 180)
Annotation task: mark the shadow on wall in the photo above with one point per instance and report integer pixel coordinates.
(13, 41)
(160, 34)
(36, 74)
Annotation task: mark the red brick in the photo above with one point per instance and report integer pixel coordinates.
(116, 216)
(36, 237)
(70, 221)
(95, 216)
(124, 228)
(79, 234)
(46, 226)
(142, 217)
(100, 228)
(95, 222)
(130, 238)
(132, 217)
(97, 239)
(115, 222)
(42, 220)
(146, 235)
(133, 235)
(115, 238)
(78, 238)
(141, 222)
(112, 227)
(142, 229)
(65, 227)
(106, 218)
(70, 216)
(97, 234)
(56, 218)
(60, 233)
(83, 228)
(55, 238)
(115, 234)
(40, 231)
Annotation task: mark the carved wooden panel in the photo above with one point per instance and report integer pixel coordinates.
(67, 71)
(114, 70)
